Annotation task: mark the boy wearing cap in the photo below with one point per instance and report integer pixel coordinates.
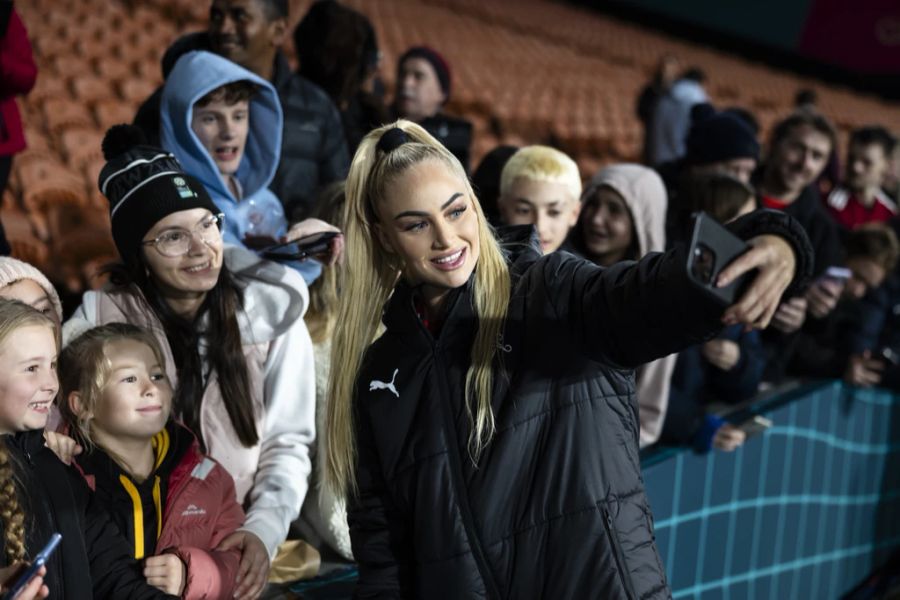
(423, 88)
(541, 186)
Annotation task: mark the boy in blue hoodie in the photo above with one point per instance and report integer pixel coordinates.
(223, 123)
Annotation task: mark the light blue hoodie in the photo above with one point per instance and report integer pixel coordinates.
(259, 212)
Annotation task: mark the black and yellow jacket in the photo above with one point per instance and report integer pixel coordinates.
(92, 560)
(187, 506)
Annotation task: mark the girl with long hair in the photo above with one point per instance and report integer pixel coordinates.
(487, 442)
(231, 329)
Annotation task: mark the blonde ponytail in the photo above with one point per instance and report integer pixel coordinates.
(367, 281)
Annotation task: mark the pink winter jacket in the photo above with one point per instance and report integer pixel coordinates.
(200, 512)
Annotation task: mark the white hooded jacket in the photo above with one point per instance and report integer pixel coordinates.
(272, 476)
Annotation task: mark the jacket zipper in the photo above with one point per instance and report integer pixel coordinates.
(624, 576)
(493, 590)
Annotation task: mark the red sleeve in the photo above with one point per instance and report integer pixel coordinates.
(211, 573)
(17, 69)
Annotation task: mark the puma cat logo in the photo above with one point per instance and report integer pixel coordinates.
(380, 385)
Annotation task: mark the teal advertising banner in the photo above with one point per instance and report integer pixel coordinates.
(805, 510)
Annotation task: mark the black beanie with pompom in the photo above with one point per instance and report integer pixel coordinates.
(143, 185)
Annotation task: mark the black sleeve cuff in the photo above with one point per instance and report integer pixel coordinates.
(774, 222)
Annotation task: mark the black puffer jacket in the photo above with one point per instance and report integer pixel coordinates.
(92, 559)
(556, 507)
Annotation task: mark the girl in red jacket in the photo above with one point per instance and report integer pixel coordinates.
(172, 503)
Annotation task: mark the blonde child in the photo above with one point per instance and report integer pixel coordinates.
(173, 504)
(39, 495)
(541, 186)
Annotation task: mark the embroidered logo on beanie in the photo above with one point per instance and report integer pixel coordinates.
(182, 188)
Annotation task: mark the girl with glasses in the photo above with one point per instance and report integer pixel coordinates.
(231, 329)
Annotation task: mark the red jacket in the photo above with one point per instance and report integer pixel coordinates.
(200, 509)
(17, 76)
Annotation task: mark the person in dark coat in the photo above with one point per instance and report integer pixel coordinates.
(250, 33)
(664, 76)
(728, 368)
(717, 142)
(39, 495)
(488, 440)
(424, 82)
(486, 180)
(338, 51)
(832, 348)
(798, 152)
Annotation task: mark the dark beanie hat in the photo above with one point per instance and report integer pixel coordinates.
(715, 137)
(143, 185)
(441, 67)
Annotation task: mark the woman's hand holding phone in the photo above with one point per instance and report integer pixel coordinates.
(310, 227)
(774, 259)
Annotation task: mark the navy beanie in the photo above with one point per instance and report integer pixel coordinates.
(714, 137)
(143, 185)
(441, 68)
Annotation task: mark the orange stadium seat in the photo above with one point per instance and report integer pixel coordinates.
(63, 112)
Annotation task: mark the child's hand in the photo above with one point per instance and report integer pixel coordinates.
(64, 447)
(729, 438)
(254, 570)
(165, 572)
(723, 354)
(34, 589)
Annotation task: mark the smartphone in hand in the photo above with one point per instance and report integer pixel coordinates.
(316, 245)
(39, 561)
(712, 249)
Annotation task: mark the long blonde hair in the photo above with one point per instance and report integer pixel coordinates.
(14, 315)
(367, 280)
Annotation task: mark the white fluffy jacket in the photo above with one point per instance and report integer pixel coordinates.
(272, 477)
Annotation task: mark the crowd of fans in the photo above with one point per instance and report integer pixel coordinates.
(204, 397)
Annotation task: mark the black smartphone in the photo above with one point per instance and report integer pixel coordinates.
(39, 561)
(311, 246)
(712, 249)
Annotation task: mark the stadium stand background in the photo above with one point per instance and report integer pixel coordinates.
(525, 71)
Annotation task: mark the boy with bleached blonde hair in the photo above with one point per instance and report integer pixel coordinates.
(541, 186)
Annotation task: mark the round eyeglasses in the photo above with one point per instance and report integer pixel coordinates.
(177, 242)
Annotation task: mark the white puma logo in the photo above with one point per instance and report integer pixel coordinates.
(380, 385)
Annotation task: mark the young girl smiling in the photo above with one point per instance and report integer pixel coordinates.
(173, 504)
(39, 495)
